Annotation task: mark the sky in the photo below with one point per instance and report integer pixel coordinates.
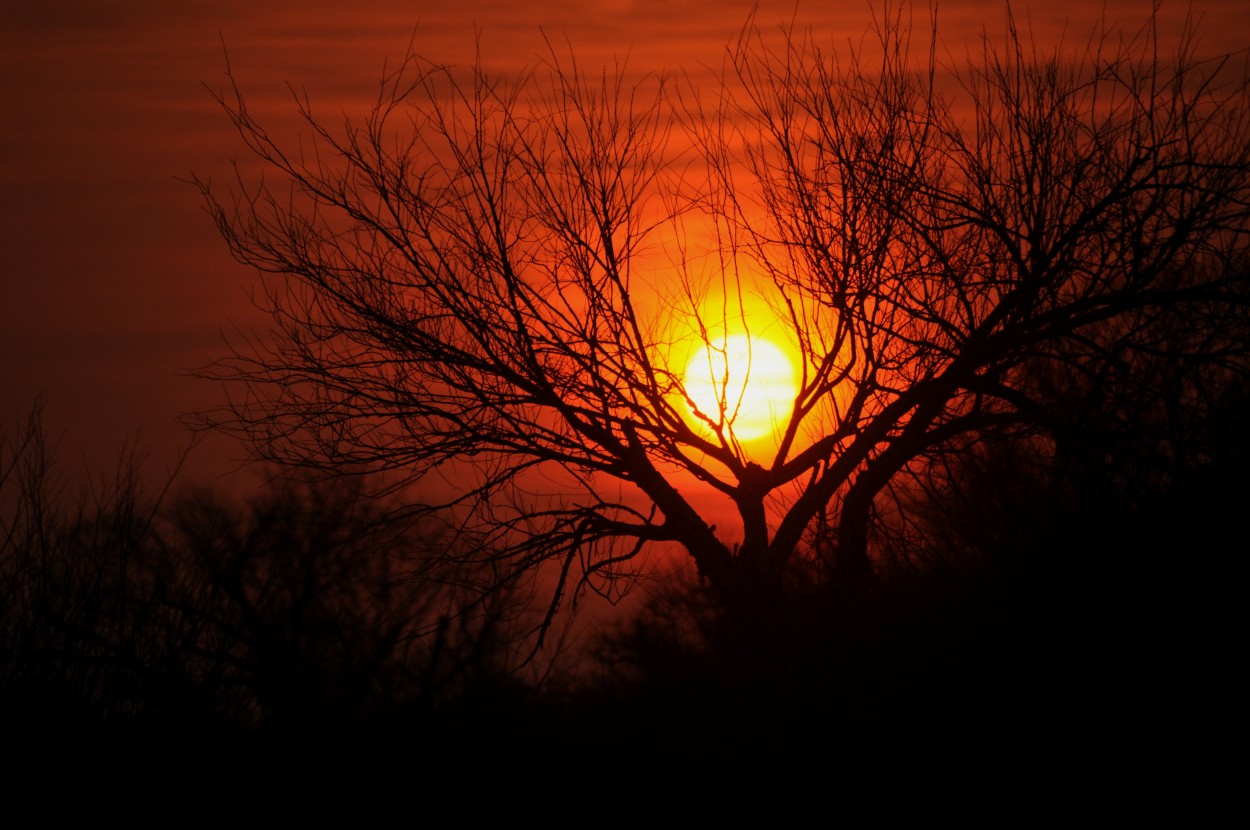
(114, 284)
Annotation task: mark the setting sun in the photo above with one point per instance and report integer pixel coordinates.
(748, 379)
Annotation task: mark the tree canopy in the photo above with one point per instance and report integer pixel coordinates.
(492, 287)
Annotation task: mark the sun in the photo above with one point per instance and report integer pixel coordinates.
(745, 382)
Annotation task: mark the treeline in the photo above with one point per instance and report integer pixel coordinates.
(128, 610)
(1028, 612)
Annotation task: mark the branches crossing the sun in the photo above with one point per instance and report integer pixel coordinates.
(498, 288)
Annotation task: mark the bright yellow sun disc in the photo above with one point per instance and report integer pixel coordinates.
(745, 383)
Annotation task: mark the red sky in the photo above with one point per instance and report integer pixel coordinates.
(113, 280)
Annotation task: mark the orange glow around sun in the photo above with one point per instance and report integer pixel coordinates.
(745, 382)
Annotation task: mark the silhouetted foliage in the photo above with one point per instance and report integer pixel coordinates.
(305, 615)
(989, 548)
(1045, 623)
(482, 286)
(1047, 631)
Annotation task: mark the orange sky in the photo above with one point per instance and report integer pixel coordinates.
(113, 279)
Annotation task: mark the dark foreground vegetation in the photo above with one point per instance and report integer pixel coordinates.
(1046, 629)
(993, 552)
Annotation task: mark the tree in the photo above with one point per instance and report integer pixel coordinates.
(492, 287)
(300, 611)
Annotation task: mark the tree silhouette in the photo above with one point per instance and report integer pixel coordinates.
(491, 286)
(302, 611)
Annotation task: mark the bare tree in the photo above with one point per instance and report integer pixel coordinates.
(491, 286)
